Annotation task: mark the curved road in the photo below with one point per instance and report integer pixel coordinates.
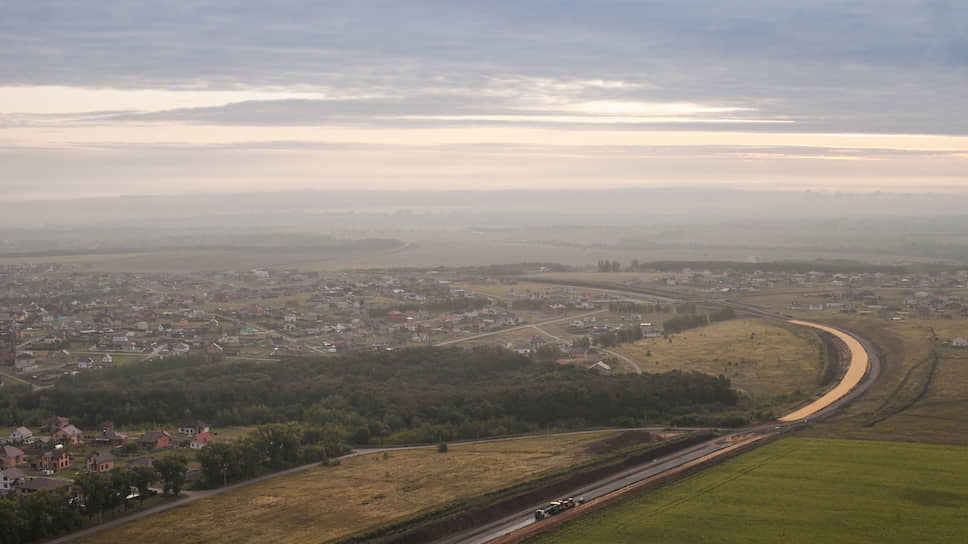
(863, 370)
(862, 358)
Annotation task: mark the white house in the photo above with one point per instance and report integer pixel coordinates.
(25, 362)
(959, 342)
(602, 368)
(8, 479)
(22, 435)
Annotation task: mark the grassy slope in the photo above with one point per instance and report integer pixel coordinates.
(776, 360)
(799, 490)
(322, 504)
(937, 415)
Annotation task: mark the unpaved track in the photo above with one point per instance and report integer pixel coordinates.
(859, 366)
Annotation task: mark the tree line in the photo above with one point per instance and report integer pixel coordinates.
(693, 321)
(45, 514)
(414, 395)
(269, 448)
(623, 335)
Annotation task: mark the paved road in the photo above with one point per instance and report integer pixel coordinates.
(712, 448)
(508, 524)
(519, 327)
(192, 496)
(638, 369)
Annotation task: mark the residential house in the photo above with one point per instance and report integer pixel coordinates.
(85, 362)
(69, 435)
(11, 457)
(100, 462)
(154, 439)
(200, 440)
(52, 460)
(31, 485)
(141, 462)
(193, 427)
(21, 435)
(110, 438)
(959, 342)
(602, 368)
(25, 362)
(9, 478)
(180, 348)
(55, 424)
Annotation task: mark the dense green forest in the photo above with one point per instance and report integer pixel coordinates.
(412, 395)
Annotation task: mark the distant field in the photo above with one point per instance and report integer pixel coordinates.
(758, 356)
(326, 503)
(798, 490)
(579, 247)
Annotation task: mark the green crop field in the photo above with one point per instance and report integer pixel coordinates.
(798, 490)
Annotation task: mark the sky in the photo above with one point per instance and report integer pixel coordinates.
(139, 98)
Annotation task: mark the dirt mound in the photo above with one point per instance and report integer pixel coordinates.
(619, 441)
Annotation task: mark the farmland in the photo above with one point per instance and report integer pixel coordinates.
(325, 503)
(798, 490)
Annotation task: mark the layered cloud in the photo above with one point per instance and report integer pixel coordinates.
(480, 94)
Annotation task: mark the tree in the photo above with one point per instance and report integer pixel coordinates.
(280, 443)
(95, 492)
(442, 447)
(142, 477)
(218, 460)
(172, 470)
(121, 482)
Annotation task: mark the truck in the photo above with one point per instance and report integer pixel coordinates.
(556, 507)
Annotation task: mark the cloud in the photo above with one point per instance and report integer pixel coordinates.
(776, 83)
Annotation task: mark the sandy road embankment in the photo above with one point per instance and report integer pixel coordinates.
(859, 364)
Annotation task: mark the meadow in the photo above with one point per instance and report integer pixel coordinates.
(762, 358)
(798, 490)
(326, 503)
(917, 398)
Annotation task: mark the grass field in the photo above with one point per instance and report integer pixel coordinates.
(760, 357)
(325, 503)
(914, 400)
(798, 490)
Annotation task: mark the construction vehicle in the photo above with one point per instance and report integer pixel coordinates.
(556, 507)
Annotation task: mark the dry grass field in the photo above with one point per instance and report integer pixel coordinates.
(760, 357)
(326, 503)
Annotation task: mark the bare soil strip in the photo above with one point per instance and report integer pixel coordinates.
(859, 363)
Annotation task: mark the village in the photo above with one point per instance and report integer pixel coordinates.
(52, 460)
(63, 320)
(60, 319)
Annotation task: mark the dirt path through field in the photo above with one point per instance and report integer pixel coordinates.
(859, 364)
